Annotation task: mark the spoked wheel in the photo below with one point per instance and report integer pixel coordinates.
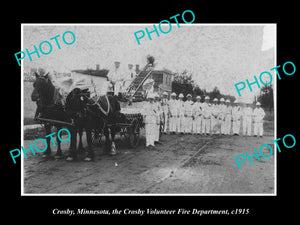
(134, 134)
(124, 134)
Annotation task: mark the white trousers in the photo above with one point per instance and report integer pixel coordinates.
(197, 125)
(215, 125)
(212, 122)
(150, 133)
(227, 125)
(222, 126)
(167, 122)
(206, 126)
(180, 124)
(156, 132)
(247, 125)
(172, 124)
(258, 128)
(187, 124)
(236, 124)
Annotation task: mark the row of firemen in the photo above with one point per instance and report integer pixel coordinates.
(189, 117)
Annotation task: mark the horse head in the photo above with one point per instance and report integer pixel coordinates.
(43, 89)
(77, 102)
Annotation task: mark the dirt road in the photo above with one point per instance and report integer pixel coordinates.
(183, 164)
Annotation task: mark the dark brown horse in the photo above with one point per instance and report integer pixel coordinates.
(80, 110)
(100, 113)
(50, 107)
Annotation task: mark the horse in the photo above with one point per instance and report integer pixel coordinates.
(50, 106)
(98, 113)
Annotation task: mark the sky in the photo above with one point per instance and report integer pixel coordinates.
(213, 54)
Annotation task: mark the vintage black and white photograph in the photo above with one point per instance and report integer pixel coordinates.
(148, 109)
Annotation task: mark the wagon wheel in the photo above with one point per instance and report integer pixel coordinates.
(124, 133)
(96, 137)
(134, 134)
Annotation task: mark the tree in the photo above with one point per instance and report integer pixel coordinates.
(183, 83)
(215, 93)
(266, 97)
(197, 91)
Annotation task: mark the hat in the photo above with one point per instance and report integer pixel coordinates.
(236, 101)
(215, 100)
(222, 100)
(165, 93)
(173, 94)
(207, 98)
(155, 95)
(227, 101)
(198, 97)
(189, 95)
(257, 103)
(180, 95)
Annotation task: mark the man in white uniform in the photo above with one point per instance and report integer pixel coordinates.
(150, 121)
(214, 116)
(181, 119)
(197, 114)
(221, 116)
(130, 75)
(115, 77)
(166, 112)
(206, 116)
(188, 113)
(236, 116)
(228, 117)
(148, 85)
(259, 115)
(158, 111)
(247, 114)
(174, 113)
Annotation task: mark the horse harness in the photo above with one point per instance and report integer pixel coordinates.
(101, 108)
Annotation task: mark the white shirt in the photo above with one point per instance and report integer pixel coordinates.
(236, 112)
(258, 114)
(173, 107)
(197, 109)
(150, 112)
(188, 108)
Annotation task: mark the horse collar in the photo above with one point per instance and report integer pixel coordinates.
(108, 106)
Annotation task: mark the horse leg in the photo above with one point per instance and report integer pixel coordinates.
(47, 153)
(113, 150)
(90, 155)
(72, 151)
(58, 154)
(107, 142)
(80, 146)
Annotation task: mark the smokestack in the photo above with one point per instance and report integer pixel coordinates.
(117, 64)
(97, 67)
(137, 68)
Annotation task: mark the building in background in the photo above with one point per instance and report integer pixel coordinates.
(162, 80)
(95, 80)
